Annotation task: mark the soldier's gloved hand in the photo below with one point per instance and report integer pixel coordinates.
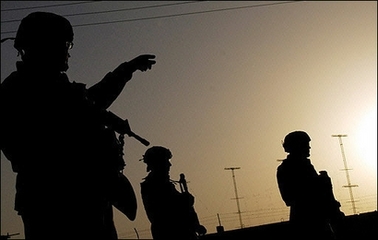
(142, 62)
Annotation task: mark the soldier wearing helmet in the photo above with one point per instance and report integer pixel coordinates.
(297, 143)
(308, 194)
(158, 157)
(170, 212)
(54, 133)
(43, 40)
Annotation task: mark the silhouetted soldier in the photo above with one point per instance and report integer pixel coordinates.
(170, 212)
(308, 194)
(55, 134)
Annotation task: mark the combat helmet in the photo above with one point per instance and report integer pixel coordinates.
(156, 155)
(294, 140)
(40, 29)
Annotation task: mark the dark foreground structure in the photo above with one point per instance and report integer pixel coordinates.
(360, 226)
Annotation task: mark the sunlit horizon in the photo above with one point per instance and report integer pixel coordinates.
(227, 86)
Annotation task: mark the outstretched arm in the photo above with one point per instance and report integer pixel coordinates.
(107, 90)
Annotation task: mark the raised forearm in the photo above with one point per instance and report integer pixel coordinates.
(107, 90)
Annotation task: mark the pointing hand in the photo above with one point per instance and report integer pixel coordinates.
(142, 62)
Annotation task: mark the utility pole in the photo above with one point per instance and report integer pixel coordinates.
(349, 185)
(220, 228)
(236, 193)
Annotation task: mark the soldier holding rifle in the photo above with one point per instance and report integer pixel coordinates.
(54, 132)
(170, 212)
(314, 211)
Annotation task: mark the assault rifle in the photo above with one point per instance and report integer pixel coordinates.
(122, 127)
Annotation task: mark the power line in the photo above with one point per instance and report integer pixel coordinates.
(46, 6)
(116, 10)
(183, 14)
(175, 15)
(134, 8)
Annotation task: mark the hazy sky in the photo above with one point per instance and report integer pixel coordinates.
(231, 80)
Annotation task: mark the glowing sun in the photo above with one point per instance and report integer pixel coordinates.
(367, 138)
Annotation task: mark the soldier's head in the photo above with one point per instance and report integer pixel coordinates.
(158, 158)
(297, 143)
(44, 38)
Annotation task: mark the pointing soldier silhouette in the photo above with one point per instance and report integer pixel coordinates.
(56, 134)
